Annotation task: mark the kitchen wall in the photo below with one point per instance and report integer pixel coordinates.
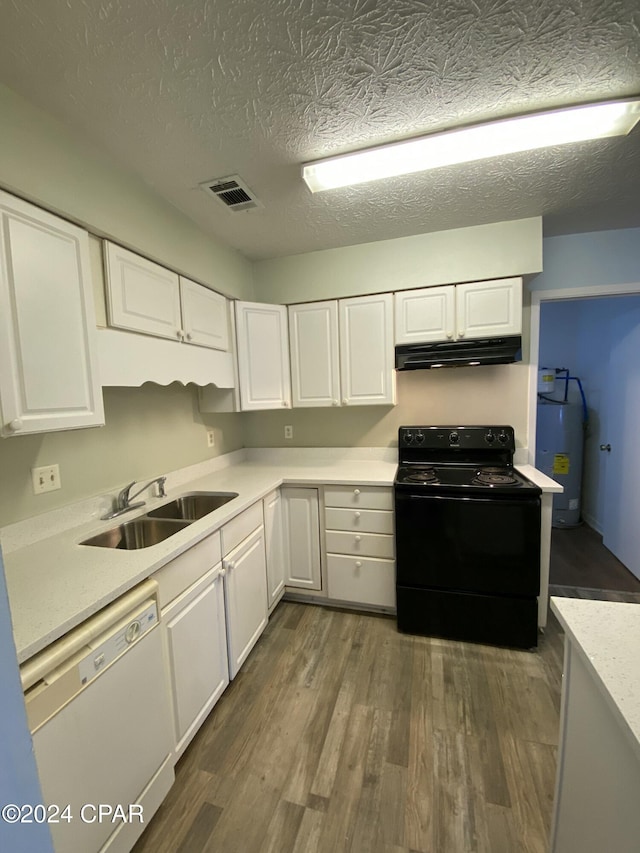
(489, 394)
(49, 164)
(149, 430)
(596, 258)
(497, 250)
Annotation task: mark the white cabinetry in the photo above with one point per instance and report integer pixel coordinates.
(360, 545)
(342, 352)
(245, 577)
(315, 354)
(205, 315)
(275, 548)
(143, 296)
(192, 601)
(479, 309)
(48, 376)
(263, 356)
(302, 537)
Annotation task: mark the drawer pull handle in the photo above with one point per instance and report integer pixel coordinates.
(358, 564)
(358, 538)
(356, 492)
(357, 515)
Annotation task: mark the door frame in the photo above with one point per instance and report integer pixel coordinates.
(537, 297)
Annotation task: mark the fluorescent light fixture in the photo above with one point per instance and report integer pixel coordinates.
(475, 142)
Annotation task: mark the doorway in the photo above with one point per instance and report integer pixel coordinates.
(595, 332)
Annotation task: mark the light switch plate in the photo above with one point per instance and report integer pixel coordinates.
(45, 479)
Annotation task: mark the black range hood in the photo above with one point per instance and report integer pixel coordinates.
(461, 353)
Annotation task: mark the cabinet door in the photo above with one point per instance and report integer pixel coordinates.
(488, 309)
(302, 537)
(366, 350)
(197, 644)
(141, 296)
(205, 316)
(274, 542)
(425, 315)
(48, 371)
(245, 579)
(315, 354)
(263, 356)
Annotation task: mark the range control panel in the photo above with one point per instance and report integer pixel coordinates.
(453, 437)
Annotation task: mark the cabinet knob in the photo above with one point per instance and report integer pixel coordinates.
(356, 491)
(345, 402)
(449, 334)
(334, 402)
(179, 334)
(461, 333)
(230, 566)
(222, 573)
(285, 404)
(15, 425)
(358, 538)
(189, 336)
(356, 515)
(358, 564)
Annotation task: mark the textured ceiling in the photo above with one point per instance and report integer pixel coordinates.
(180, 92)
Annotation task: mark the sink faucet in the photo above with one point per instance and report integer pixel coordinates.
(123, 503)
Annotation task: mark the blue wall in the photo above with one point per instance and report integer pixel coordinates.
(583, 260)
(18, 774)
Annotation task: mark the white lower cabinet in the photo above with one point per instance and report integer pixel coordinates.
(197, 647)
(191, 599)
(275, 548)
(360, 545)
(301, 522)
(245, 580)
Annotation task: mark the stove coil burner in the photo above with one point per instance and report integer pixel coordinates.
(494, 476)
(424, 475)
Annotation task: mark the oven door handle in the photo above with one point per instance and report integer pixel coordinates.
(508, 500)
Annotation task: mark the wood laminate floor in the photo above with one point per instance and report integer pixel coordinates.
(340, 735)
(579, 561)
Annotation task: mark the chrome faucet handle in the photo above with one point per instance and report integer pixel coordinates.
(123, 495)
(161, 491)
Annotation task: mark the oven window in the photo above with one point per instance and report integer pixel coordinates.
(476, 545)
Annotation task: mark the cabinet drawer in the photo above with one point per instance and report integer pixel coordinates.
(180, 573)
(235, 531)
(368, 544)
(363, 581)
(368, 520)
(367, 497)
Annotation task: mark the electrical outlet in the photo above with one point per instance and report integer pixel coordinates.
(288, 432)
(211, 438)
(45, 479)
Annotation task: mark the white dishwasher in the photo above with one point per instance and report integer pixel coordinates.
(99, 712)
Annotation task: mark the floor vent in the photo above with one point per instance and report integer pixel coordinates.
(232, 192)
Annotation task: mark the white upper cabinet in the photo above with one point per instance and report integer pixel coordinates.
(488, 309)
(425, 315)
(342, 352)
(205, 315)
(478, 309)
(315, 354)
(263, 356)
(367, 374)
(143, 296)
(48, 376)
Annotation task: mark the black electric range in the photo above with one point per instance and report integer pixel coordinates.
(467, 536)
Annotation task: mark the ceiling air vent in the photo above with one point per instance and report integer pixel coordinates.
(232, 192)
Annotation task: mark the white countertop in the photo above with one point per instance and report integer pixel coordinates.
(55, 583)
(607, 634)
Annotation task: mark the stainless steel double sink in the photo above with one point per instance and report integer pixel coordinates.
(161, 523)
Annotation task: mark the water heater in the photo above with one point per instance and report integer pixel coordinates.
(559, 451)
